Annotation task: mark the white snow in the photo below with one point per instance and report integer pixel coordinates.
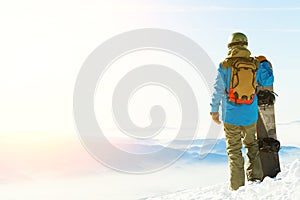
(285, 186)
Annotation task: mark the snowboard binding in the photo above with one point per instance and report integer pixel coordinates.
(266, 97)
(269, 145)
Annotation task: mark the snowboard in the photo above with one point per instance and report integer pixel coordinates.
(266, 132)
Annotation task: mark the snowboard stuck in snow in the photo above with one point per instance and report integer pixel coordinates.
(266, 130)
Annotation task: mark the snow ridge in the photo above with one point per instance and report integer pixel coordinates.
(285, 186)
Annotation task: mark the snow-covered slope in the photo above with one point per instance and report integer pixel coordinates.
(286, 186)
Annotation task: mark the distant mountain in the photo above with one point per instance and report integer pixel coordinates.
(207, 151)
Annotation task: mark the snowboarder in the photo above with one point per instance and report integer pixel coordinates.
(234, 89)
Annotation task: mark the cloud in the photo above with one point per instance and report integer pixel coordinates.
(167, 8)
(295, 122)
(142, 7)
(236, 9)
(283, 30)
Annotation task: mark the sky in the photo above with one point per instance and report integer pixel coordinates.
(45, 43)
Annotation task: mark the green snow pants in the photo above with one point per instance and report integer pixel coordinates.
(235, 135)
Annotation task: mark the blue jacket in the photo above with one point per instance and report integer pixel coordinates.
(238, 114)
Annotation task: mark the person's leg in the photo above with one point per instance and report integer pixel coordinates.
(254, 169)
(235, 158)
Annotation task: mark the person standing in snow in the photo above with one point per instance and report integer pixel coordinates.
(234, 89)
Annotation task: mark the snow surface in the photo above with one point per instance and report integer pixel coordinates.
(285, 186)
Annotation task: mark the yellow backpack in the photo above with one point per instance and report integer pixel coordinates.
(242, 80)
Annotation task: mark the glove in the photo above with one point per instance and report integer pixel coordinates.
(215, 116)
(260, 58)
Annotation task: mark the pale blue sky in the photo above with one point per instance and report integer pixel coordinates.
(43, 45)
(272, 28)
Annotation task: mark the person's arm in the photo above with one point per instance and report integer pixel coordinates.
(264, 74)
(218, 93)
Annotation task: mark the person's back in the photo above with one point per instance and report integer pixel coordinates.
(238, 110)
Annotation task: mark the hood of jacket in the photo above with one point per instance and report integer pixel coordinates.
(239, 51)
